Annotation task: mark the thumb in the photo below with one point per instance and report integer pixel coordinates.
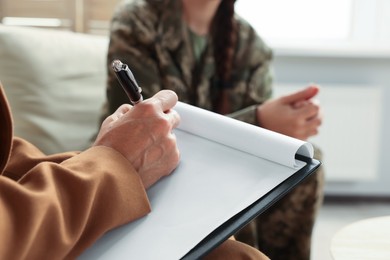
(301, 95)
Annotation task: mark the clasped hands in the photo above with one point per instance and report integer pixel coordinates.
(297, 115)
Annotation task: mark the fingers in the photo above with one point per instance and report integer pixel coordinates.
(307, 109)
(313, 121)
(301, 95)
(162, 103)
(173, 117)
(308, 113)
(311, 128)
(166, 99)
(305, 129)
(123, 109)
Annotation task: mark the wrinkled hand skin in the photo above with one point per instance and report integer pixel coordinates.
(143, 135)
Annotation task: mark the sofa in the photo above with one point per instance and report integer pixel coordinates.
(55, 82)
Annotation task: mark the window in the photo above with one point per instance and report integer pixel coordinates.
(319, 21)
(298, 19)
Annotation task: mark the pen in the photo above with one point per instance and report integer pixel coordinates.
(127, 81)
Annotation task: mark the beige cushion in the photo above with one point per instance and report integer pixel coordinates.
(55, 82)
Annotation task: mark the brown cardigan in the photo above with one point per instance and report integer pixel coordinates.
(53, 207)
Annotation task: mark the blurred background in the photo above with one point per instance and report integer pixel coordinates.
(342, 45)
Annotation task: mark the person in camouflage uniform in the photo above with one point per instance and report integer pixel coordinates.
(225, 69)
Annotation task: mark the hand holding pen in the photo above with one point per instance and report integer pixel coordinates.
(143, 133)
(127, 81)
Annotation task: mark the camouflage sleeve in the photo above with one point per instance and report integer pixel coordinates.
(132, 37)
(254, 59)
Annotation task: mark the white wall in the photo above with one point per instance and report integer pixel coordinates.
(356, 87)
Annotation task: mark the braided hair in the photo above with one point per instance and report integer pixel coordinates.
(223, 33)
(224, 38)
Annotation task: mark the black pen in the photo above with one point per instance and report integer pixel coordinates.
(127, 81)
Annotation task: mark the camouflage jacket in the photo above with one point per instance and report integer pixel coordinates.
(151, 37)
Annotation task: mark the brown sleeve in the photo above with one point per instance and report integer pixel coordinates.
(61, 205)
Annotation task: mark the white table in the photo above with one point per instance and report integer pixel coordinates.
(365, 239)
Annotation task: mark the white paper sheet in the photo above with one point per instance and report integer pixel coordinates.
(212, 183)
(242, 136)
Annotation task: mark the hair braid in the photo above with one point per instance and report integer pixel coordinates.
(224, 40)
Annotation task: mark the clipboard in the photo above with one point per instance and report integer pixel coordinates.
(194, 210)
(229, 228)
